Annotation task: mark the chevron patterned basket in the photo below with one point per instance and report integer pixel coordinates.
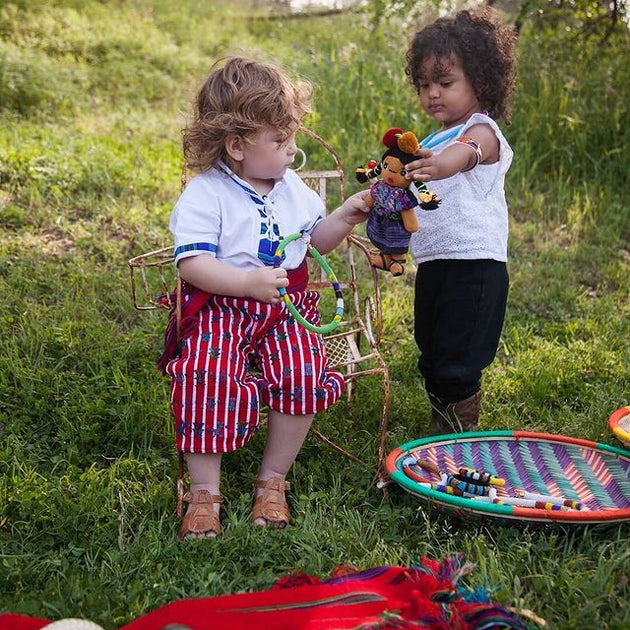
(542, 475)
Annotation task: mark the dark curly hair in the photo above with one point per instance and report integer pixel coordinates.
(485, 47)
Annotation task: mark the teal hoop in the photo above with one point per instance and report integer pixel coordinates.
(339, 308)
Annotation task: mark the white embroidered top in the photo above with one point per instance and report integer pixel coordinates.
(471, 221)
(222, 215)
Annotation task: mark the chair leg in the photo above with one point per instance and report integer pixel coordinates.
(349, 391)
(181, 491)
(382, 479)
(382, 476)
(336, 447)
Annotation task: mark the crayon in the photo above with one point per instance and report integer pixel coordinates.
(548, 498)
(481, 477)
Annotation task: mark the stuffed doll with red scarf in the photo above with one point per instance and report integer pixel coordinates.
(393, 201)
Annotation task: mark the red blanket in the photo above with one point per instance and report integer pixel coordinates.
(384, 598)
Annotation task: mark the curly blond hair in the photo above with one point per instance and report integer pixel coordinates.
(241, 97)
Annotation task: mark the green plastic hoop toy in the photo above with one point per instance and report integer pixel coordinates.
(339, 308)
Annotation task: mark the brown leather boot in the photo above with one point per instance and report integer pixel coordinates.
(462, 415)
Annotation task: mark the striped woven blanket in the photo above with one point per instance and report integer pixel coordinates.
(426, 595)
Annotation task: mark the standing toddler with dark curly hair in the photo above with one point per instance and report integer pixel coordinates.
(463, 70)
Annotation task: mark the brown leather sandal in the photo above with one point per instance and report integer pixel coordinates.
(271, 504)
(397, 266)
(201, 517)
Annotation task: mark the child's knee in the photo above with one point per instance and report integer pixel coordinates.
(304, 394)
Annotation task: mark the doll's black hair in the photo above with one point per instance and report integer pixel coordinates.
(404, 157)
(363, 174)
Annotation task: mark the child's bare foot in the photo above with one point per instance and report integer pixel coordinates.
(202, 516)
(270, 506)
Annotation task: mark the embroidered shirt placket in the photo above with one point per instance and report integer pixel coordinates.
(270, 228)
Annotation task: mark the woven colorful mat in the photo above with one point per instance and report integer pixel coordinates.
(546, 478)
(385, 598)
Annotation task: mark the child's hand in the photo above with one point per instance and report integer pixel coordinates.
(425, 168)
(263, 283)
(337, 225)
(356, 208)
(456, 158)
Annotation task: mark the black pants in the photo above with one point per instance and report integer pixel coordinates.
(459, 311)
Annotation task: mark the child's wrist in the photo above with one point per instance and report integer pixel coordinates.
(345, 211)
(349, 218)
(246, 283)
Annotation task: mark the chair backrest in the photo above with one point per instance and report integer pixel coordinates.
(153, 274)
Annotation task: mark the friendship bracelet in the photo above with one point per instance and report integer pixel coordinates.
(474, 145)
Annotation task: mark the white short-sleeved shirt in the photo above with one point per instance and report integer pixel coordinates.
(471, 221)
(222, 215)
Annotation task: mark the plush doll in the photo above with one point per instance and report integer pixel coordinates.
(393, 205)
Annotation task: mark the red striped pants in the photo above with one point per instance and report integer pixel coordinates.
(245, 353)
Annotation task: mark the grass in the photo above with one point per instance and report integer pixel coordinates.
(93, 96)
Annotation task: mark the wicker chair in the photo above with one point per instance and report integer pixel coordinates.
(353, 348)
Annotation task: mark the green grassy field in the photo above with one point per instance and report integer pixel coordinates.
(93, 96)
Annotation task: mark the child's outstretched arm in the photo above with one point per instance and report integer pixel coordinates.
(213, 276)
(456, 158)
(336, 226)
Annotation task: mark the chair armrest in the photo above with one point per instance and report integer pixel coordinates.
(153, 277)
(368, 302)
